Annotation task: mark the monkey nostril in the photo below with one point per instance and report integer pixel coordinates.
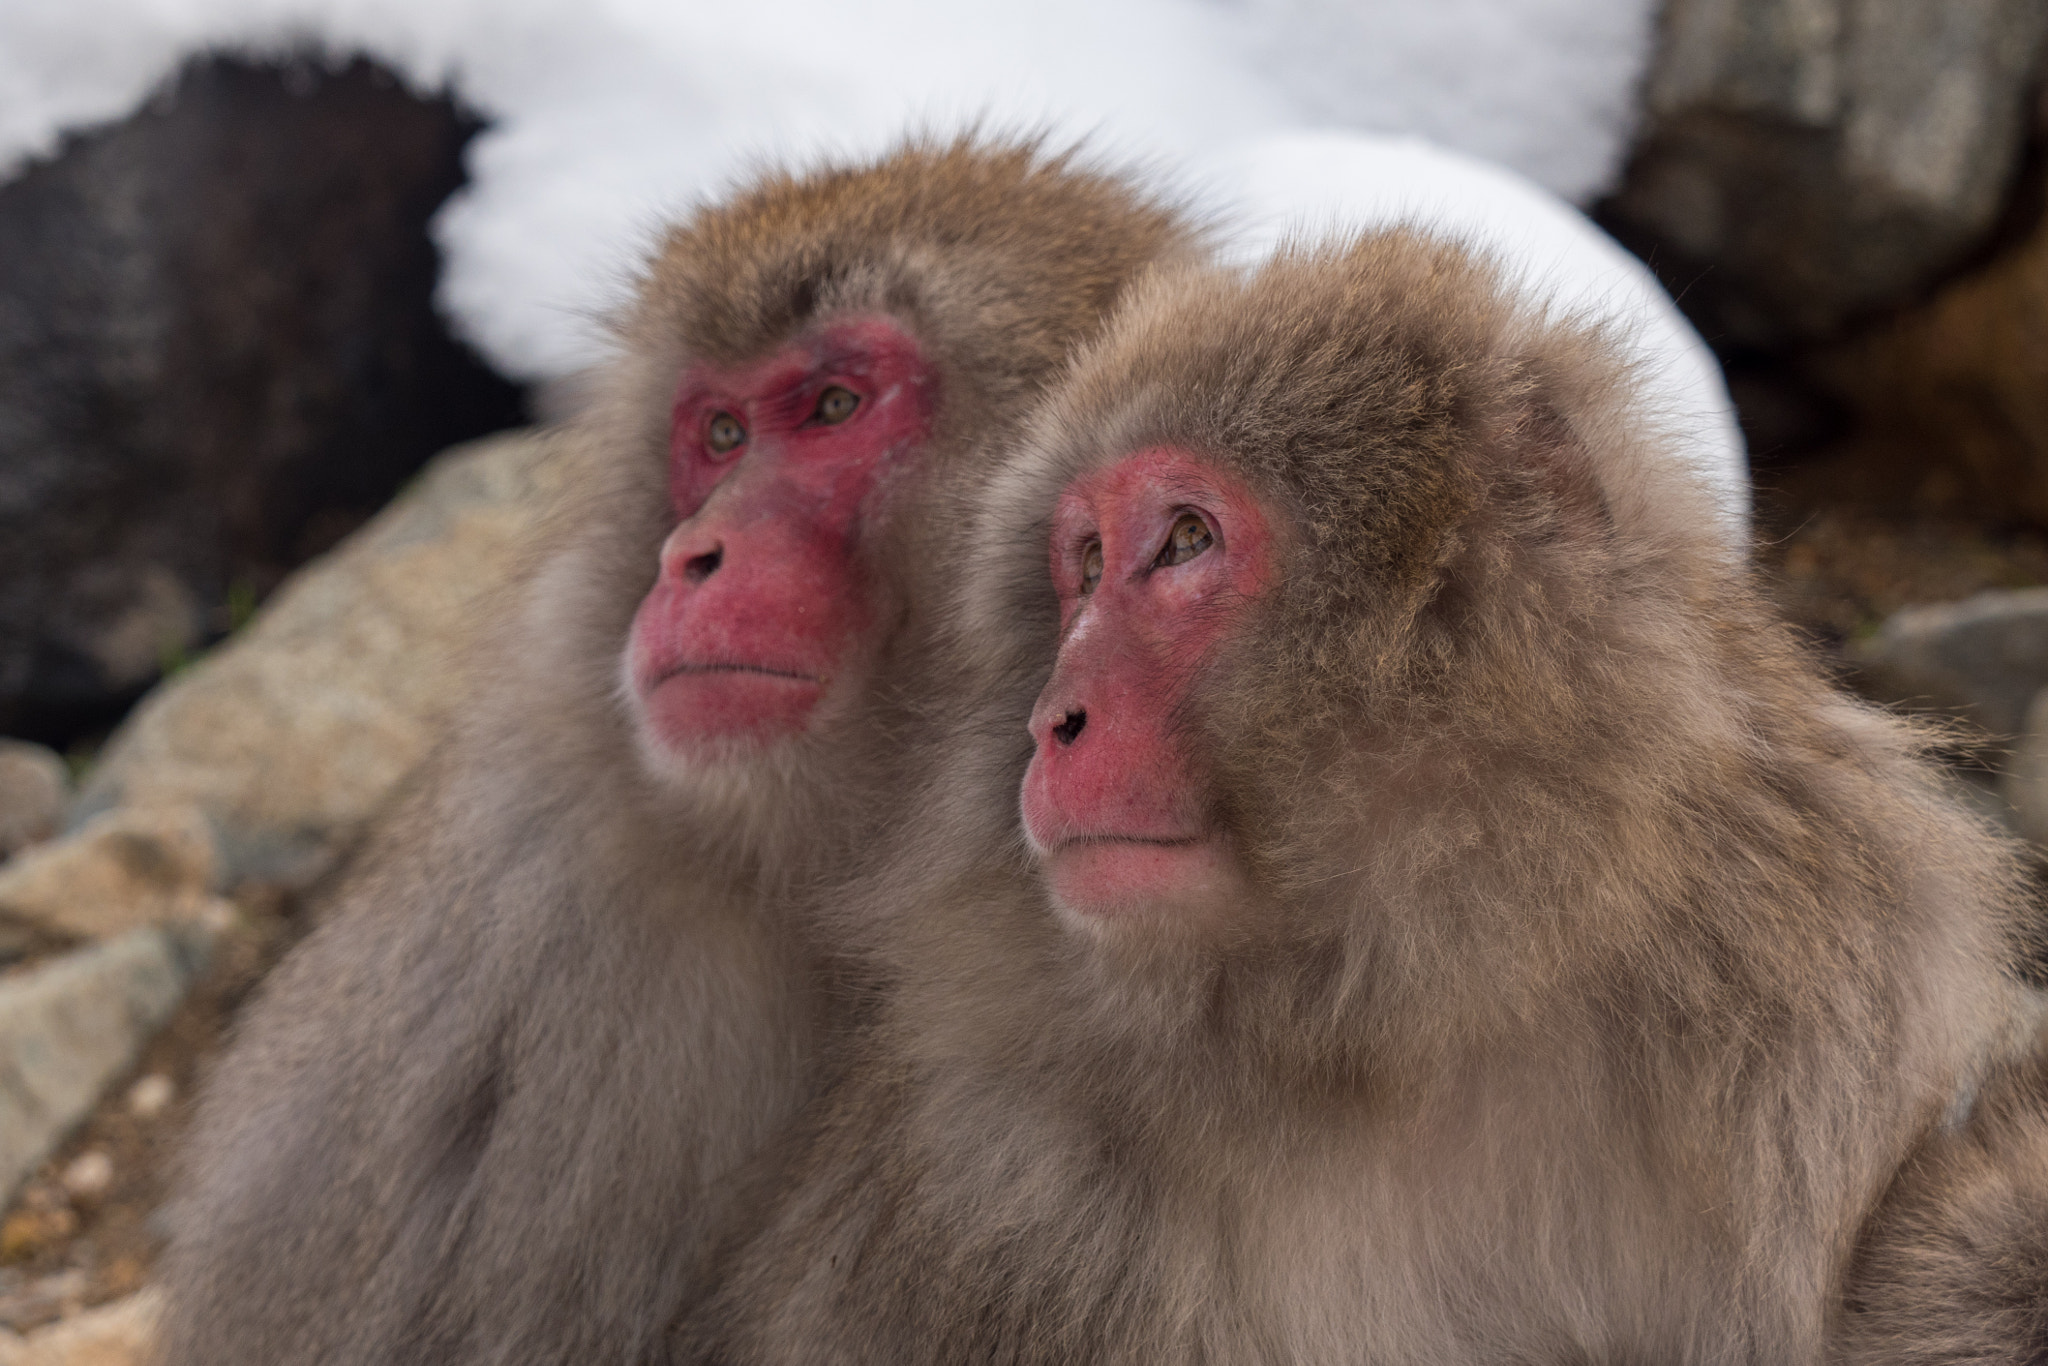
(1069, 728)
(701, 567)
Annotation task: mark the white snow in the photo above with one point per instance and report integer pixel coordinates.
(612, 114)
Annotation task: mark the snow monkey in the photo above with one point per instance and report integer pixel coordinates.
(480, 1113)
(1453, 920)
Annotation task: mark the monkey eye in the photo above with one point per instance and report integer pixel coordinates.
(724, 433)
(1091, 567)
(1190, 537)
(835, 405)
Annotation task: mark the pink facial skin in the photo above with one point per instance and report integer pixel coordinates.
(762, 601)
(1114, 801)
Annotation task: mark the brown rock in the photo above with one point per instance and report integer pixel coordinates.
(294, 733)
(34, 787)
(1983, 658)
(1957, 389)
(124, 868)
(2024, 783)
(117, 1334)
(218, 353)
(26, 1232)
(1804, 163)
(69, 1028)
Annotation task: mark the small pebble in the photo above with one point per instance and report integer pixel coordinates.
(28, 1231)
(69, 1284)
(88, 1174)
(148, 1097)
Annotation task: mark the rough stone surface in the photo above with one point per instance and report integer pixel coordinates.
(118, 1334)
(122, 869)
(73, 1025)
(34, 788)
(1807, 162)
(2024, 783)
(218, 352)
(1956, 391)
(293, 734)
(1984, 657)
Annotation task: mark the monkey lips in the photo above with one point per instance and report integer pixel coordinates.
(1153, 557)
(763, 596)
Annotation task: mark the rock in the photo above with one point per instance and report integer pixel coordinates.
(34, 787)
(122, 869)
(27, 1233)
(1956, 390)
(2024, 783)
(71, 1026)
(1804, 163)
(218, 352)
(87, 1176)
(151, 1096)
(1984, 657)
(118, 1334)
(295, 732)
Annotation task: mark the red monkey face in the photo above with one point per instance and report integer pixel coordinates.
(1154, 558)
(764, 601)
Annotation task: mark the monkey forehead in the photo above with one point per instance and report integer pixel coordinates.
(1122, 502)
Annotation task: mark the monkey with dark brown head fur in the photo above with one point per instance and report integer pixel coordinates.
(480, 1114)
(1455, 922)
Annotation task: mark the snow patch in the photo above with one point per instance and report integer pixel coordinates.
(611, 115)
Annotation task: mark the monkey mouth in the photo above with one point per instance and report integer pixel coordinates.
(1068, 842)
(1100, 876)
(723, 667)
(691, 704)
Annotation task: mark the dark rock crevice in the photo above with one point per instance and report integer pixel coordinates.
(218, 354)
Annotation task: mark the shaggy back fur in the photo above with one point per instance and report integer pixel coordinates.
(479, 1117)
(1954, 1265)
(1605, 960)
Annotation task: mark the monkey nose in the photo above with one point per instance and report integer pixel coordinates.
(1059, 715)
(702, 566)
(692, 554)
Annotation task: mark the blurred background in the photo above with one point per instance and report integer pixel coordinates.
(286, 286)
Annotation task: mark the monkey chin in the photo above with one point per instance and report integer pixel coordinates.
(1106, 886)
(744, 749)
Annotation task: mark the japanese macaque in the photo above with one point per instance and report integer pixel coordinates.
(1453, 920)
(480, 1115)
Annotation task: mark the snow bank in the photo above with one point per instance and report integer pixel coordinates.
(612, 114)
